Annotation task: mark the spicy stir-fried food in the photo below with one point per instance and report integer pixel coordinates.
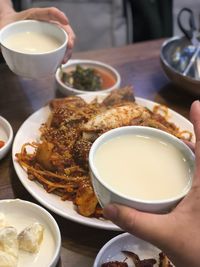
(114, 264)
(60, 160)
(163, 261)
(138, 262)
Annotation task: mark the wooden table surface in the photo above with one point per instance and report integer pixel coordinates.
(139, 65)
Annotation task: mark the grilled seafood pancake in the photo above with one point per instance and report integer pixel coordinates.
(114, 117)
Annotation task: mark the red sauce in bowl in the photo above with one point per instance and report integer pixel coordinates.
(107, 77)
(108, 80)
(2, 143)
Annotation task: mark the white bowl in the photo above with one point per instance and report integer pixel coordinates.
(112, 250)
(20, 214)
(33, 65)
(71, 65)
(107, 194)
(6, 135)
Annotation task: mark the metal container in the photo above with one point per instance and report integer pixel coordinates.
(175, 55)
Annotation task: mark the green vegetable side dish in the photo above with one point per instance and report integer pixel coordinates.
(85, 79)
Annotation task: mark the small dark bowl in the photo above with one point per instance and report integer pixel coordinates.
(173, 68)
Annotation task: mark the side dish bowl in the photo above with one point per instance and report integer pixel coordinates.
(112, 250)
(21, 214)
(109, 77)
(109, 191)
(6, 136)
(35, 64)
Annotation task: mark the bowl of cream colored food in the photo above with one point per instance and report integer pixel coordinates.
(141, 167)
(32, 48)
(29, 235)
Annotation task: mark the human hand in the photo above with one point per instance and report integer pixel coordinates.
(190, 144)
(50, 14)
(176, 233)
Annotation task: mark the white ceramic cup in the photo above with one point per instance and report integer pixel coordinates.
(106, 194)
(35, 65)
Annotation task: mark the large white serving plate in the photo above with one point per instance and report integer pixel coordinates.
(29, 131)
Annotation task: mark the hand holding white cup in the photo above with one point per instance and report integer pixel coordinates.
(33, 49)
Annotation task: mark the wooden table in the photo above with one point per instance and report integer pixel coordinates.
(139, 66)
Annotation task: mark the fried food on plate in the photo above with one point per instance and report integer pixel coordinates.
(60, 160)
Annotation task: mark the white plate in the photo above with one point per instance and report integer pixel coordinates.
(112, 250)
(29, 131)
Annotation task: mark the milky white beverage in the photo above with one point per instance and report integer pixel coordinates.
(142, 167)
(31, 42)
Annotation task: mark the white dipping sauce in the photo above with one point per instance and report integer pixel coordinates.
(31, 42)
(142, 167)
(47, 247)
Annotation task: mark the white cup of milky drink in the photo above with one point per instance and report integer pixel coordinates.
(141, 167)
(33, 49)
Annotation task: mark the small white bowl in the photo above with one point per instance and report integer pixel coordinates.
(71, 65)
(112, 250)
(6, 135)
(21, 214)
(33, 65)
(106, 194)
